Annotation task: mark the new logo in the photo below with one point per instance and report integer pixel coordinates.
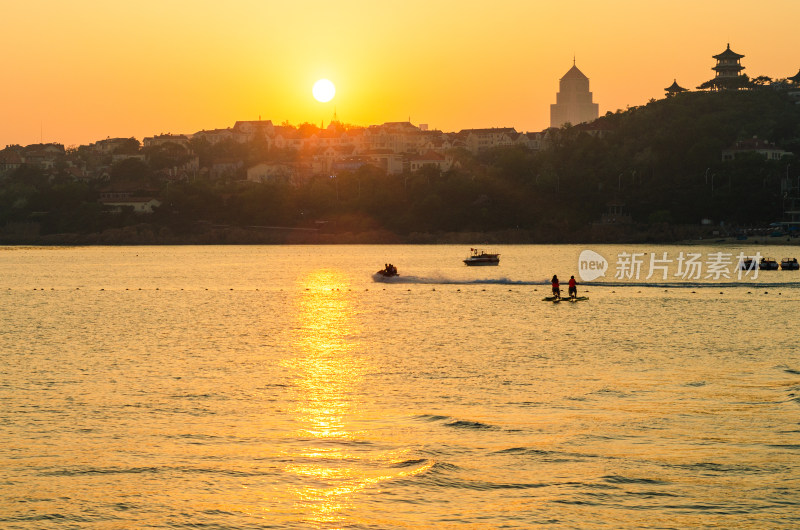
(591, 265)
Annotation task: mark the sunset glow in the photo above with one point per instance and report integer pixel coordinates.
(82, 71)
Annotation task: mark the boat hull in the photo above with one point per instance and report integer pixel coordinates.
(481, 262)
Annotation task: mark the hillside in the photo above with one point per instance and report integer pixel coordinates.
(661, 163)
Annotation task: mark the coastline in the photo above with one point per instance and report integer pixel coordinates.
(146, 234)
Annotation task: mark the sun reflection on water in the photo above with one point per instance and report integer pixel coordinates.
(328, 369)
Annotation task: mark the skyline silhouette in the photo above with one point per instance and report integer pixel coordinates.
(87, 71)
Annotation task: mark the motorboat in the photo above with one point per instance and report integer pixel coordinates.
(768, 264)
(789, 264)
(480, 257)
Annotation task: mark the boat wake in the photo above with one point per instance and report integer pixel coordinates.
(696, 285)
(444, 280)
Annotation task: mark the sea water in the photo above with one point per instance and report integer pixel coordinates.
(284, 387)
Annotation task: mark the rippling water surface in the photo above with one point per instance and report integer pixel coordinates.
(261, 387)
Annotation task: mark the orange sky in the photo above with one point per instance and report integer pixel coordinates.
(83, 70)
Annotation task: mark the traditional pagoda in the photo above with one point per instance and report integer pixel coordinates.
(795, 79)
(728, 72)
(674, 88)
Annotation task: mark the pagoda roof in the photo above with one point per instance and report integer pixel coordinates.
(574, 73)
(796, 77)
(727, 54)
(675, 87)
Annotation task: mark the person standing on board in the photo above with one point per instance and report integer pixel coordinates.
(573, 289)
(556, 288)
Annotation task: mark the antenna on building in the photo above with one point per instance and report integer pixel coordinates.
(573, 59)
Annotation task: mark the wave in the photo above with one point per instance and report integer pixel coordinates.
(444, 280)
(455, 423)
(466, 424)
(695, 285)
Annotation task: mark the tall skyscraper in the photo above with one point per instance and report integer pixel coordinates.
(573, 101)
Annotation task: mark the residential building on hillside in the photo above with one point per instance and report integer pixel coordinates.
(478, 140)
(753, 145)
(252, 129)
(43, 156)
(162, 139)
(109, 145)
(10, 160)
(216, 136)
(430, 159)
(266, 172)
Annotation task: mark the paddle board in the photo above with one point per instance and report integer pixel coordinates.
(564, 299)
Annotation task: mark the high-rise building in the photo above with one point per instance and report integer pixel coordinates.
(573, 101)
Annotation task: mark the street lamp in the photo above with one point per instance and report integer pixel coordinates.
(336, 185)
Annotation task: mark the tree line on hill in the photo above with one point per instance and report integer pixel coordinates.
(660, 162)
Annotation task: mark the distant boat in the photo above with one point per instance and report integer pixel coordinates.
(789, 264)
(768, 264)
(479, 257)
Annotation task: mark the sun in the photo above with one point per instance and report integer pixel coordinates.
(323, 90)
